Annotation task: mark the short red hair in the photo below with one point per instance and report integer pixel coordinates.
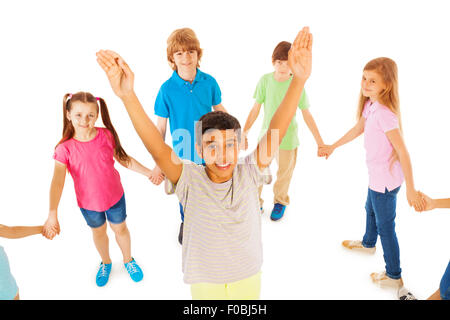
(183, 40)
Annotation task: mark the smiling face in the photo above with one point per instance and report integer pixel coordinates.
(220, 149)
(372, 85)
(186, 61)
(82, 116)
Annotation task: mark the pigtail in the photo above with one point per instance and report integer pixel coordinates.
(68, 130)
(120, 153)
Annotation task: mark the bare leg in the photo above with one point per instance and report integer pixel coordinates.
(123, 239)
(17, 296)
(101, 241)
(435, 296)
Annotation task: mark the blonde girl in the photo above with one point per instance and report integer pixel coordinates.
(388, 164)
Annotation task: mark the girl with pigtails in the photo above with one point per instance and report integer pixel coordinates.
(87, 152)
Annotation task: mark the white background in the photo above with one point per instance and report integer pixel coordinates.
(48, 49)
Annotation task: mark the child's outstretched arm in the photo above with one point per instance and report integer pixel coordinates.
(431, 204)
(135, 166)
(51, 226)
(300, 62)
(413, 196)
(252, 116)
(351, 135)
(121, 79)
(19, 232)
(157, 175)
(311, 123)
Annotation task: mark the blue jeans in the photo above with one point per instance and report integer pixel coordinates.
(445, 284)
(380, 209)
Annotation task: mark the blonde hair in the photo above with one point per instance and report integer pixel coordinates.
(183, 39)
(389, 97)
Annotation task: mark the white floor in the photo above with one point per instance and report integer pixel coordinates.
(303, 258)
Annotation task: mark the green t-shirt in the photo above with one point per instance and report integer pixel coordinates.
(270, 93)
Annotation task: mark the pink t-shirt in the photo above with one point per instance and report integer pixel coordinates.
(379, 120)
(91, 165)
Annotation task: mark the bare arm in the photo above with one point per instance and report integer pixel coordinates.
(56, 188)
(441, 203)
(135, 166)
(220, 107)
(19, 232)
(51, 226)
(299, 60)
(396, 139)
(309, 120)
(352, 134)
(252, 116)
(431, 204)
(161, 124)
(121, 79)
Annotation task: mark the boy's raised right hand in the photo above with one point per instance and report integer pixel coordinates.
(118, 72)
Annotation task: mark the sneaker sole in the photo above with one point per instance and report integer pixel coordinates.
(362, 250)
(359, 249)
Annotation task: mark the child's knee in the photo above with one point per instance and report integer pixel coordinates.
(119, 229)
(99, 231)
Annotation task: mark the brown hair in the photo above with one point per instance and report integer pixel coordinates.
(281, 51)
(69, 130)
(389, 97)
(183, 40)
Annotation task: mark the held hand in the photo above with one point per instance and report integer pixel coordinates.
(325, 151)
(429, 203)
(51, 228)
(415, 199)
(118, 72)
(157, 176)
(300, 55)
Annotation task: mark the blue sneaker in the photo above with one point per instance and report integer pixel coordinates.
(278, 211)
(134, 271)
(103, 274)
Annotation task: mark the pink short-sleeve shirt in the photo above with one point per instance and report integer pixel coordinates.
(379, 120)
(91, 165)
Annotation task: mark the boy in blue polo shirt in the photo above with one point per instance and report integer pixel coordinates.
(186, 96)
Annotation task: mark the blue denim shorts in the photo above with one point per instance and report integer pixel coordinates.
(116, 214)
(445, 284)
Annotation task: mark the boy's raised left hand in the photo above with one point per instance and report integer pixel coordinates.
(300, 55)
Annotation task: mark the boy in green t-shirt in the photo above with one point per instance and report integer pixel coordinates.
(270, 91)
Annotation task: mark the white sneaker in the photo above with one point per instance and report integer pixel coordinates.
(357, 246)
(381, 279)
(404, 294)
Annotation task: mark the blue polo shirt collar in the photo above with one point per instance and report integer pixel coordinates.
(178, 80)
